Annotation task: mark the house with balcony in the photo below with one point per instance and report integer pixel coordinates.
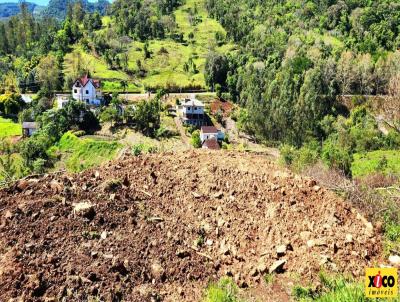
(192, 112)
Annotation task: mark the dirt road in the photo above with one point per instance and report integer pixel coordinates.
(182, 132)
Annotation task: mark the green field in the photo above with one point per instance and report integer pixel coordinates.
(82, 153)
(9, 128)
(387, 162)
(165, 66)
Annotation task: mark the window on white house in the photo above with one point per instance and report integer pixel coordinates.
(195, 108)
(75, 91)
(87, 91)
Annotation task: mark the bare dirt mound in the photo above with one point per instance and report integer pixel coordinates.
(160, 227)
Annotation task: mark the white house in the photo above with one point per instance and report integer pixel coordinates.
(210, 132)
(193, 112)
(86, 90)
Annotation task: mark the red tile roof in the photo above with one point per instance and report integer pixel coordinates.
(211, 143)
(85, 79)
(209, 129)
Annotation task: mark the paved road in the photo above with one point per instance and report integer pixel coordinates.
(145, 96)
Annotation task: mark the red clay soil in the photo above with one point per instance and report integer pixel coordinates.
(225, 107)
(160, 227)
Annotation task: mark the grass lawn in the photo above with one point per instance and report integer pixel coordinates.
(9, 128)
(80, 154)
(385, 161)
(96, 65)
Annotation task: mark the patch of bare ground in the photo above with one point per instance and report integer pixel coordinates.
(160, 227)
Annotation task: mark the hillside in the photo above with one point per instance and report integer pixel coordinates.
(58, 8)
(165, 66)
(11, 9)
(160, 227)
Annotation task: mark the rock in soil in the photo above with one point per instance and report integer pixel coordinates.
(177, 221)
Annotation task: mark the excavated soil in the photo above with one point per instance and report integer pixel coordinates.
(160, 227)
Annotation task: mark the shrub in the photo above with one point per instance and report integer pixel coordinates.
(382, 164)
(218, 90)
(392, 140)
(152, 149)
(288, 154)
(392, 231)
(218, 116)
(39, 166)
(79, 133)
(226, 146)
(226, 96)
(306, 156)
(142, 148)
(195, 140)
(268, 278)
(161, 132)
(190, 129)
(337, 157)
(33, 148)
(137, 149)
(11, 103)
(224, 291)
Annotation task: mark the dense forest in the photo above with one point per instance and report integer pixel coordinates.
(296, 57)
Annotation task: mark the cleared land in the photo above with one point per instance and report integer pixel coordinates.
(162, 226)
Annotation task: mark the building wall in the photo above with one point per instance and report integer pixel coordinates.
(61, 100)
(219, 136)
(85, 94)
(27, 132)
(31, 132)
(205, 136)
(192, 110)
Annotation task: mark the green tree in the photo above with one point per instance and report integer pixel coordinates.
(48, 73)
(11, 103)
(195, 139)
(110, 114)
(34, 148)
(216, 69)
(147, 116)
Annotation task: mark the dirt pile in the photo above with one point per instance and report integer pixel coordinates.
(160, 227)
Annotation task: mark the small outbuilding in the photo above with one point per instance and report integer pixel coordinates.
(208, 132)
(28, 128)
